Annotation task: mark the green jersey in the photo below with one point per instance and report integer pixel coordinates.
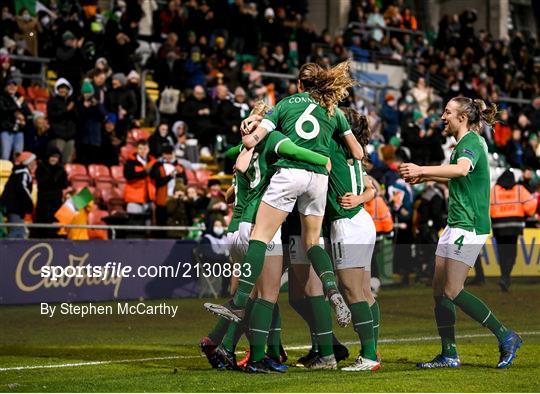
(344, 178)
(308, 125)
(241, 186)
(468, 205)
(260, 172)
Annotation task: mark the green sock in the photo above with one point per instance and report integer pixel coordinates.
(235, 331)
(376, 313)
(322, 323)
(323, 267)
(219, 330)
(253, 263)
(445, 316)
(274, 336)
(303, 308)
(476, 309)
(363, 325)
(259, 326)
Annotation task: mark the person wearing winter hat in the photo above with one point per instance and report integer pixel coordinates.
(17, 195)
(91, 114)
(51, 180)
(62, 119)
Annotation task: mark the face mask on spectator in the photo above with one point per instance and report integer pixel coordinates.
(26, 17)
(218, 230)
(45, 21)
(455, 88)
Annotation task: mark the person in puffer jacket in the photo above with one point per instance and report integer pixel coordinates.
(62, 116)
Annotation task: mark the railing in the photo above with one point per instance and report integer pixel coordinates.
(112, 227)
(362, 28)
(42, 76)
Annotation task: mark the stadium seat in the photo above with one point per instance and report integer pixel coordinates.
(137, 134)
(125, 152)
(101, 176)
(113, 199)
(96, 217)
(191, 177)
(79, 184)
(76, 172)
(117, 173)
(5, 171)
(203, 176)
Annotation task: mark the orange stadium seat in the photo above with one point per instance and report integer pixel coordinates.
(113, 199)
(101, 176)
(96, 217)
(125, 152)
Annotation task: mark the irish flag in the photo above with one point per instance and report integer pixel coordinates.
(69, 209)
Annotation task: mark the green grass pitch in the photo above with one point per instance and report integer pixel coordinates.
(108, 347)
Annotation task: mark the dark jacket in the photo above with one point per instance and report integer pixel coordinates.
(90, 121)
(51, 181)
(17, 195)
(8, 107)
(121, 97)
(70, 64)
(63, 122)
(156, 142)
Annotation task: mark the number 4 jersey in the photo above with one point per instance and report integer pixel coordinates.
(308, 125)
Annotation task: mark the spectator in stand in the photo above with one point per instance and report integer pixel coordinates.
(121, 102)
(240, 104)
(146, 23)
(197, 114)
(375, 21)
(217, 205)
(359, 54)
(70, 59)
(111, 142)
(139, 191)
(6, 69)
(423, 95)
(170, 73)
(196, 203)
(408, 20)
(160, 139)
(13, 114)
(502, 132)
(166, 173)
(389, 117)
(514, 150)
(170, 45)
(90, 114)
(134, 85)
(121, 52)
(531, 154)
(179, 130)
(51, 182)
(98, 76)
(28, 28)
(62, 115)
(226, 115)
(195, 69)
(17, 195)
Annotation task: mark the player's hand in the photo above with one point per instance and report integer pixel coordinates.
(329, 165)
(249, 124)
(349, 200)
(414, 181)
(410, 170)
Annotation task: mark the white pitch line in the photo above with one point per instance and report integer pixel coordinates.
(398, 340)
(140, 360)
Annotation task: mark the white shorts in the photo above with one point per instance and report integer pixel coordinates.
(461, 245)
(297, 253)
(289, 185)
(240, 244)
(353, 241)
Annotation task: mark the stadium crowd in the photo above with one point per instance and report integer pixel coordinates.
(209, 60)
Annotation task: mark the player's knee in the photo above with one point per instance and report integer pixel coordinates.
(368, 296)
(353, 293)
(451, 292)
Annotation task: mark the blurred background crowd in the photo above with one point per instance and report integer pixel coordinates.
(138, 100)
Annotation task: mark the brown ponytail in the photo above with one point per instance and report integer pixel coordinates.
(359, 127)
(327, 86)
(477, 112)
